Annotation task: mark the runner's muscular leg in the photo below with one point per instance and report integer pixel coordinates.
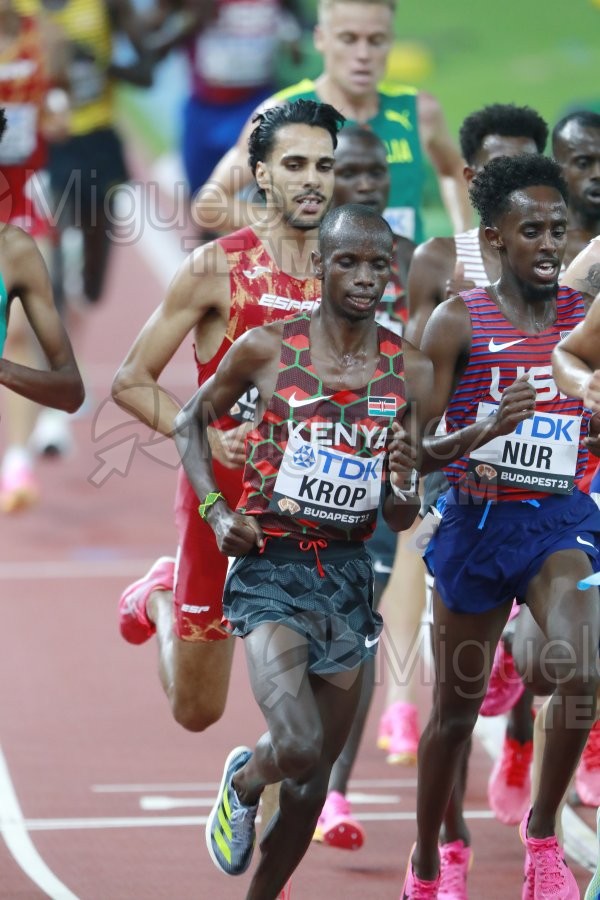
(309, 718)
(194, 674)
(464, 646)
(570, 619)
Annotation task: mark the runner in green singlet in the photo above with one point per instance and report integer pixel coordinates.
(355, 38)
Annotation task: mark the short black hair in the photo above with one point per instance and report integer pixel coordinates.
(504, 119)
(298, 112)
(361, 132)
(2, 123)
(584, 117)
(491, 188)
(358, 214)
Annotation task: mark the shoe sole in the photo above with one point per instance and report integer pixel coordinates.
(401, 759)
(214, 811)
(344, 835)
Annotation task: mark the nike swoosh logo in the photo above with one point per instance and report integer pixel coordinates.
(381, 568)
(296, 404)
(587, 543)
(493, 347)
(370, 642)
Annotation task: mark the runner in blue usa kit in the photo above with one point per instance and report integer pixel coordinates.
(514, 523)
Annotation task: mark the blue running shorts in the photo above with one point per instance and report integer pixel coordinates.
(483, 556)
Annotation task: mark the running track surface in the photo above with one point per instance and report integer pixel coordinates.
(102, 795)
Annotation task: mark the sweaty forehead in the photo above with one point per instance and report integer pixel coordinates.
(538, 201)
(357, 236)
(576, 138)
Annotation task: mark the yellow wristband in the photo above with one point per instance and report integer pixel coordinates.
(211, 499)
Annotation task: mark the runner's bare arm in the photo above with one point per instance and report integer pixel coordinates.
(583, 274)
(447, 342)
(446, 160)
(219, 206)
(26, 277)
(250, 362)
(576, 360)
(432, 264)
(197, 301)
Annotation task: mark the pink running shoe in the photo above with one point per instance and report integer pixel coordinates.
(552, 878)
(509, 786)
(336, 827)
(19, 488)
(587, 776)
(504, 687)
(403, 742)
(134, 623)
(528, 892)
(455, 861)
(415, 888)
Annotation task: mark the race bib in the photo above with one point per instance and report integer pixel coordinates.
(327, 485)
(20, 138)
(236, 60)
(540, 454)
(87, 80)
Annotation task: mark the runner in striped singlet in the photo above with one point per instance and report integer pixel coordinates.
(444, 265)
(514, 523)
(334, 390)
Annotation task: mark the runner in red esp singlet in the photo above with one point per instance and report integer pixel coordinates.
(222, 289)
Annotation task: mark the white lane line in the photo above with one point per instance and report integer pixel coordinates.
(581, 843)
(172, 821)
(108, 568)
(173, 787)
(162, 803)
(14, 831)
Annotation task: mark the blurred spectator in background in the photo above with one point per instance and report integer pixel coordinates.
(32, 65)
(232, 48)
(355, 38)
(85, 167)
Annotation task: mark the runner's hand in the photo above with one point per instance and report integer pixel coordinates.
(592, 441)
(228, 447)
(517, 405)
(403, 456)
(236, 534)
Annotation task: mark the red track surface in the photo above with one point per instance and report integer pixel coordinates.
(83, 718)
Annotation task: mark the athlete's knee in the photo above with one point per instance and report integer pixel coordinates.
(197, 714)
(298, 754)
(455, 726)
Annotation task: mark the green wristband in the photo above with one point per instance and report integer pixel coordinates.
(211, 499)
